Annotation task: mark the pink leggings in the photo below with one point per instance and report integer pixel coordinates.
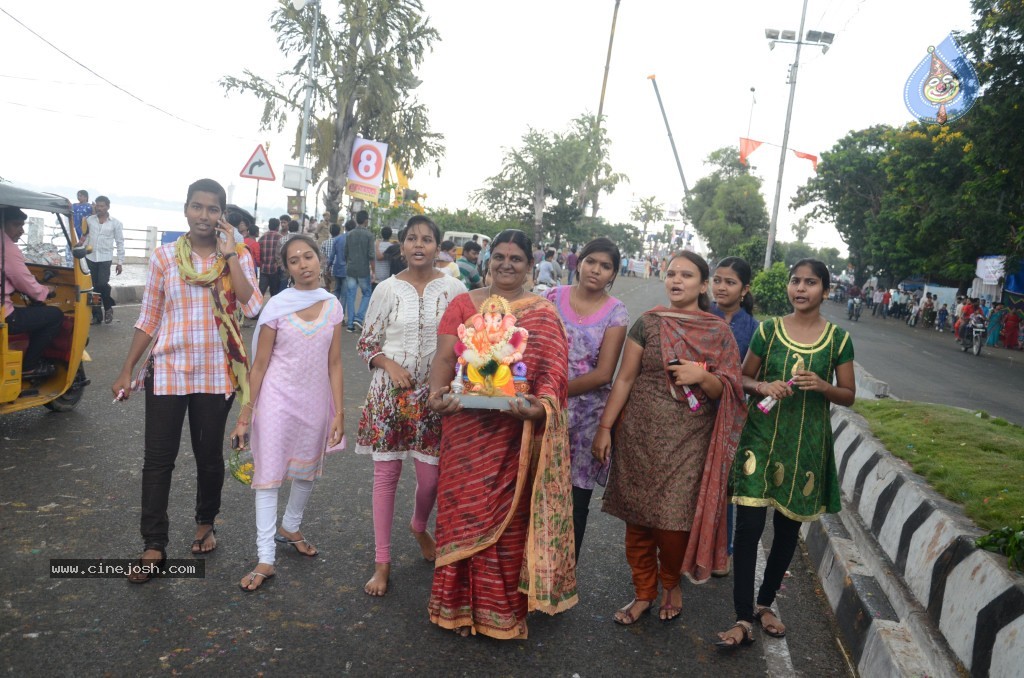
(385, 482)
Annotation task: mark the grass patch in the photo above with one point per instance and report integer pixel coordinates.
(968, 457)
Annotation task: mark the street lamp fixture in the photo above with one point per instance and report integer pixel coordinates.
(818, 39)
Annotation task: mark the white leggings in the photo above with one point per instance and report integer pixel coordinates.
(266, 516)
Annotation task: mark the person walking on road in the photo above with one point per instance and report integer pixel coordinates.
(297, 411)
(680, 395)
(104, 233)
(336, 263)
(382, 265)
(503, 473)
(595, 323)
(733, 303)
(786, 458)
(359, 262)
(270, 257)
(194, 289)
(571, 262)
(398, 344)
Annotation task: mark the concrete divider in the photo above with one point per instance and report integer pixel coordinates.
(912, 593)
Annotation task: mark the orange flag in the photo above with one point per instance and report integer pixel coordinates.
(808, 156)
(747, 146)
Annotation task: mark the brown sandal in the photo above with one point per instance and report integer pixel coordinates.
(731, 643)
(760, 612)
(197, 544)
(628, 617)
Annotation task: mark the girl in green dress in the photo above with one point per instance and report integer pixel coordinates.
(785, 457)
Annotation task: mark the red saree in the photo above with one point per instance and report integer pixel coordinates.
(705, 337)
(504, 501)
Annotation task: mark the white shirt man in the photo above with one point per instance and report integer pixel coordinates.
(104, 233)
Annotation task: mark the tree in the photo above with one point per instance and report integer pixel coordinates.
(769, 290)
(848, 188)
(364, 83)
(726, 207)
(801, 228)
(647, 211)
(470, 222)
(996, 147)
(541, 180)
(598, 175)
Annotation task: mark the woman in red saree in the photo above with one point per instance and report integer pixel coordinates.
(504, 501)
(680, 395)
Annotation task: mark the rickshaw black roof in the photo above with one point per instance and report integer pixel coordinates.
(12, 196)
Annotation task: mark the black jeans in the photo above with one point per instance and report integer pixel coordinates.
(165, 418)
(580, 511)
(100, 272)
(270, 281)
(41, 324)
(749, 526)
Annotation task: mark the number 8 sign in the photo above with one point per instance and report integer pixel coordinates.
(367, 163)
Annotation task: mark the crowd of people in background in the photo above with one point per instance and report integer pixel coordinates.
(1003, 326)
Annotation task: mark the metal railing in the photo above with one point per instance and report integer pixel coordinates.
(139, 243)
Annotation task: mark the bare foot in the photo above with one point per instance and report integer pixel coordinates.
(378, 584)
(206, 539)
(462, 631)
(255, 579)
(427, 545)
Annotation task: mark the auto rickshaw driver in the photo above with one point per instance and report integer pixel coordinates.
(40, 322)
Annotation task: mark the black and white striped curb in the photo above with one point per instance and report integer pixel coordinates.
(912, 594)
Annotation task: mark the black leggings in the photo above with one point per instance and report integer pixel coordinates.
(749, 527)
(165, 418)
(580, 511)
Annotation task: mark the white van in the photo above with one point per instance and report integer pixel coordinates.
(460, 238)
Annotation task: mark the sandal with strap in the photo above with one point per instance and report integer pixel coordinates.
(760, 612)
(628, 617)
(294, 543)
(197, 544)
(252, 578)
(671, 611)
(731, 643)
(143, 570)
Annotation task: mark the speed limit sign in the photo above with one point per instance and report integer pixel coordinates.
(366, 169)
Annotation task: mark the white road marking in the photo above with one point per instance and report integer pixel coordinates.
(775, 650)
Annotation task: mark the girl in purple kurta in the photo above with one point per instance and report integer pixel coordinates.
(595, 324)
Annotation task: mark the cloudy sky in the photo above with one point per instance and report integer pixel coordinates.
(500, 68)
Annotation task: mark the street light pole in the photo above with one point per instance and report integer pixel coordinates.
(785, 142)
(308, 105)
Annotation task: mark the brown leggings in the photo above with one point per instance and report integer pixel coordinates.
(654, 554)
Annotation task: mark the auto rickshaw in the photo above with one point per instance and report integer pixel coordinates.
(51, 265)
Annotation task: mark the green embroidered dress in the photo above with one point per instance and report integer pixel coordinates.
(785, 458)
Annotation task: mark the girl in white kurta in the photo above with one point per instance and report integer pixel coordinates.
(398, 343)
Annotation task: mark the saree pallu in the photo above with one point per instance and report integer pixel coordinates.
(504, 504)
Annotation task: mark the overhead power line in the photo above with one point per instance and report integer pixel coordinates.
(109, 82)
